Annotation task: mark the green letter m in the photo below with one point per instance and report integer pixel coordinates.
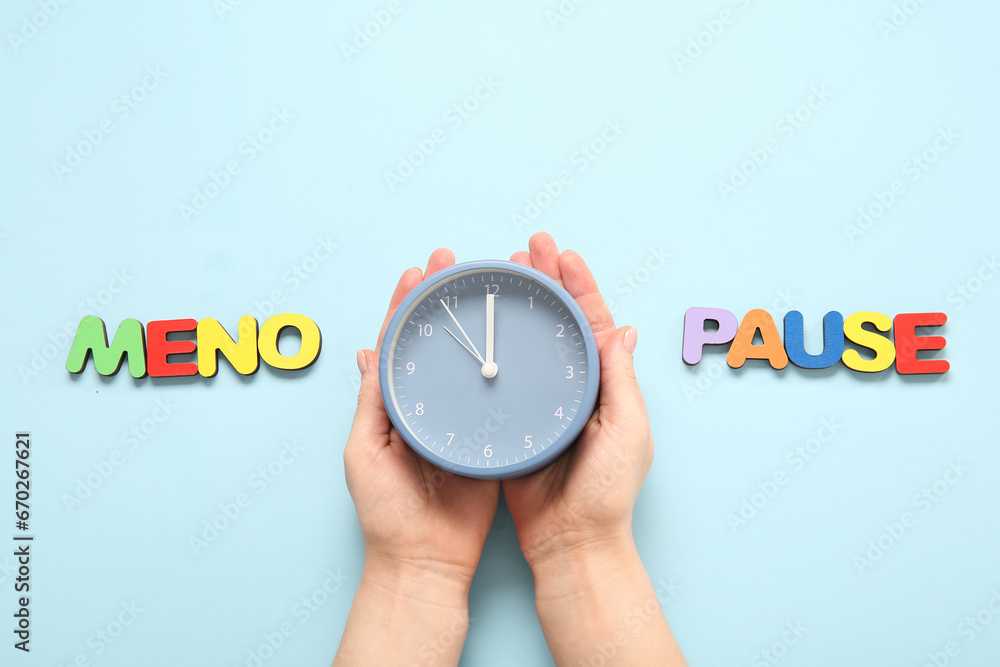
(91, 335)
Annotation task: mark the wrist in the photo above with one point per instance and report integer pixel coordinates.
(598, 595)
(584, 568)
(426, 610)
(418, 581)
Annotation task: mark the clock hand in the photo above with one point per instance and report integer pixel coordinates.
(489, 367)
(473, 351)
(478, 358)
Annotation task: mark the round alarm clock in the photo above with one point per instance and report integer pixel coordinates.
(489, 369)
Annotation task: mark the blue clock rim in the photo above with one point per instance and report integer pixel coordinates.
(587, 403)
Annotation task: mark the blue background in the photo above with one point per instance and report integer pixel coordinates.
(778, 242)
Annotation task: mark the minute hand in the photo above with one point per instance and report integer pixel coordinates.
(473, 350)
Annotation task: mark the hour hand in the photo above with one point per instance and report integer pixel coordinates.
(489, 366)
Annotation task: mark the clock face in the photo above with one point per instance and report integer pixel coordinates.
(489, 369)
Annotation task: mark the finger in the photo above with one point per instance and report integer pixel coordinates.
(370, 428)
(621, 400)
(521, 257)
(545, 255)
(580, 283)
(410, 279)
(441, 258)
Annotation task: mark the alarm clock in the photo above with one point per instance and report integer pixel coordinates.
(489, 369)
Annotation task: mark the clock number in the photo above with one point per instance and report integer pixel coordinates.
(420, 409)
(410, 367)
(425, 329)
(559, 334)
(569, 372)
(451, 436)
(527, 442)
(531, 302)
(558, 412)
(488, 450)
(451, 301)
(493, 288)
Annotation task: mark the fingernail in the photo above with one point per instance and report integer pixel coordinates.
(362, 362)
(631, 335)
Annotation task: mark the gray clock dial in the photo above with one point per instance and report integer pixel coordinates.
(489, 369)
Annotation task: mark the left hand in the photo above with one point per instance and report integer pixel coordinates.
(414, 516)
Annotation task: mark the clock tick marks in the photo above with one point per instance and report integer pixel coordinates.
(433, 374)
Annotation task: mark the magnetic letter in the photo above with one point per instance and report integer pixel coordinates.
(885, 353)
(833, 340)
(695, 336)
(907, 343)
(241, 353)
(770, 347)
(158, 348)
(268, 341)
(91, 336)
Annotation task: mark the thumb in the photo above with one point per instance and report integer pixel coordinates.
(620, 399)
(370, 428)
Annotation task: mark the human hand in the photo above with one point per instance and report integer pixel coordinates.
(423, 530)
(411, 512)
(584, 500)
(573, 518)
